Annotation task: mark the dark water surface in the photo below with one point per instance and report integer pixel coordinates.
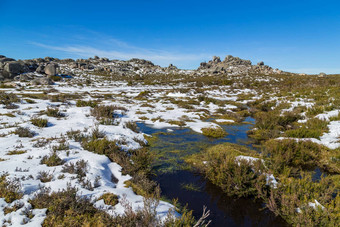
(225, 210)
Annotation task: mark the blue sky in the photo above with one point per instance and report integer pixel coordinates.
(298, 36)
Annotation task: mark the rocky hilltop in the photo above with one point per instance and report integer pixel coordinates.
(235, 65)
(44, 68)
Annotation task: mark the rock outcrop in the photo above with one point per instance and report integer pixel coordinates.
(11, 69)
(234, 65)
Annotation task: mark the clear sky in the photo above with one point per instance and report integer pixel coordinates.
(298, 36)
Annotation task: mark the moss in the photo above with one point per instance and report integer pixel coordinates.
(215, 132)
(179, 123)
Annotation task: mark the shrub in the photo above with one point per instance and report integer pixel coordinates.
(54, 112)
(215, 132)
(281, 153)
(24, 132)
(314, 128)
(132, 125)
(10, 190)
(109, 199)
(63, 145)
(105, 114)
(82, 103)
(44, 176)
(8, 98)
(79, 168)
(52, 160)
(65, 208)
(234, 177)
(16, 152)
(39, 122)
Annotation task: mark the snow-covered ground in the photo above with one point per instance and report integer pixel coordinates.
(156, 110)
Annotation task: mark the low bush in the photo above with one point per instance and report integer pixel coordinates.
(109, 199)
(291, 153)
(9, 189)
(24, 132)
(52, 160)
(82, 103)
(54, 112)
(44, 176)
(234, 177)
(80, 168)
(39, 122)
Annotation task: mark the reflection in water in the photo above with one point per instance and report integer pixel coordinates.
(225, 210)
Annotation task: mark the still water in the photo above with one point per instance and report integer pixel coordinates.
(172, 144)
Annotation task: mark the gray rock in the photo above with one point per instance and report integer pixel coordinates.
(42, 81)
(40, 69)
(216, 59)
(23, 77)
(13, 67)
(51, 69)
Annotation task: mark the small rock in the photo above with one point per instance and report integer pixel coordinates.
(260, 63)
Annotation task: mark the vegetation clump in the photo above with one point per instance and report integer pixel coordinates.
(54, 112)
(24, 132)
(90, 103)
(106, 114)
(39, 122)
(9, 189)
(109, 199)
(214, 132)
(52, 160)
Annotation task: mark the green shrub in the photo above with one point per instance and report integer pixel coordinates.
(54, 112)
(234, 177)
(314, 128)
(10, 190)
(65, 208)
(132, 125)
(109, 199)
(8, 98)
(52, 160)
(44, 176)
(16, 152)
(106, 114)
(24, 132)
(80, 168)
(39, 122)
(82, 103)
(291, 153)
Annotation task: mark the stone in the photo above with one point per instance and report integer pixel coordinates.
(42, 81)
(23, 77)
(260, 63)
(216, 59)
(40, 69)
(51, 69)
(13, 67)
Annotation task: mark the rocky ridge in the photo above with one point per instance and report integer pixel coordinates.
(45, 68)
